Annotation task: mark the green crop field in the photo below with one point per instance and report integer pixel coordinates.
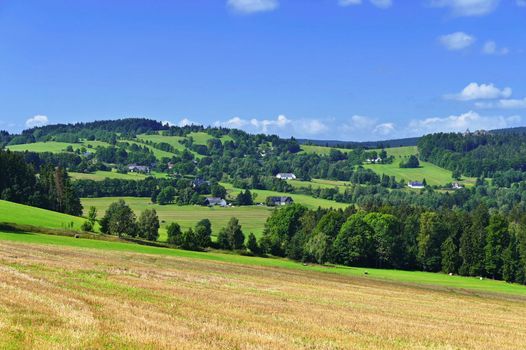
(101, 175)
(308, 201)
(251, 218)
(14, 213)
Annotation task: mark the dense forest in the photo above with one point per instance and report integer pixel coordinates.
(51, 188)
(475, 154)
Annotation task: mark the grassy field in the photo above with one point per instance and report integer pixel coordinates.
(55, 147)
(57, 295)
(201, 138)
(171, 140)
(320, 183)
(322, 150)
(252, 219)
(305, 200)
(22, 214)
(433, 174)
(101, 175)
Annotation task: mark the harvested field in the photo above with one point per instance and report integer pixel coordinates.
(63, 297)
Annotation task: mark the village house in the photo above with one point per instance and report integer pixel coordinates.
(456, 186)
(213, 201)
(415, 184)
(139, 169)
(286, 176)
(277, 201)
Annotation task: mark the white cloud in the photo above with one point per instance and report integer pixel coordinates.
(475, 91)
(490, 48)
(468, 7)
(252, 6)
(37, 120)
(383, 4)
(457, 41)
(310, 127)
(359, 123)
(349, 2)
(384, 129)
(521, 3)
(458, 123)
(503, 104)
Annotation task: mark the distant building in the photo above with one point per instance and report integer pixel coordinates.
(286, 176)
(170, 165)
(373, 160)
(199, 182)
(456, 186)
(213, 201)
(139, 169)
(415, 184)
(277, 201)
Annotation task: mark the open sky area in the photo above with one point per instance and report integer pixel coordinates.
(321, 69)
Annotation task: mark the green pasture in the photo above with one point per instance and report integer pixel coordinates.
(251, 218)
(308, 201)
(20, 214)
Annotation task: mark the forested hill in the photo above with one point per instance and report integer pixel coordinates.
(476, 154)
(409, 141)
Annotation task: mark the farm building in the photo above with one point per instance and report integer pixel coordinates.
(139, 168)
(415, 184)
(286, 176)
(276, 201)
(213, 201)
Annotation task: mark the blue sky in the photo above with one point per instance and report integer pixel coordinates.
(322, 69)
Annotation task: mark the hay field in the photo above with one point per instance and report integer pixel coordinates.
(66, 298)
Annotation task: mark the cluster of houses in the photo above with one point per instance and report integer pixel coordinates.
(142, 169)
(286, 176)
(418, 184)
(376, 160)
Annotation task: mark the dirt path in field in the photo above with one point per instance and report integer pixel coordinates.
(67, 298)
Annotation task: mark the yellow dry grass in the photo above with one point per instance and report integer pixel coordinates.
(68, 298)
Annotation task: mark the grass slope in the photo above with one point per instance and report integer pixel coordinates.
(25, 215)
(409, 277)
(56, 147)
(252, 219)
(65, 297)
(308, 201)
(433, 174)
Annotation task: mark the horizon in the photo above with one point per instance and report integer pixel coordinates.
(339, 70)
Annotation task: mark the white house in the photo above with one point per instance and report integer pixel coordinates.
(456, 186)
(373, 160)
(415, 184)
(286, 176)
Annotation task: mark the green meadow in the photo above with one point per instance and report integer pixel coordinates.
(307, 201)
(56, 147)
(20, 214)
(251, 218)
(434, 175)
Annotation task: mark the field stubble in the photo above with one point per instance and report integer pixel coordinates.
(63, 297)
